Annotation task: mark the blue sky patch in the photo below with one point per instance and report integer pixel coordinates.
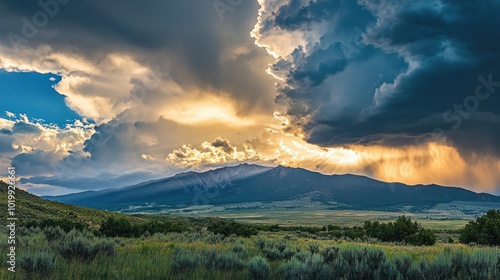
(32, 93)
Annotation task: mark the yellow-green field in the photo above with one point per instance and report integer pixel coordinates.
(446, 216)
(152, 258)
(313, 217)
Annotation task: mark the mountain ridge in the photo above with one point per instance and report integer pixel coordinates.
(254, 183)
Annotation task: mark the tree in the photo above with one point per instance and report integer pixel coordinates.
(403, 229)
(485, 230)
(426, 237)
(117, 227)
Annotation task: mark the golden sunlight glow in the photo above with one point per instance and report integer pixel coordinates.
(431, 163)
(206, 110)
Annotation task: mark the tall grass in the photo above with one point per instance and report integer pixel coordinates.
(50, 254)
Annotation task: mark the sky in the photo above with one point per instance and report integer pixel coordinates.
(100, 94)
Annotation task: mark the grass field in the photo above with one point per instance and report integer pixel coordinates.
(311, 217)
(448, 216)
(154, 257)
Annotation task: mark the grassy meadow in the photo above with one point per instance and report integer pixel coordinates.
(204, 255)
(80, 246)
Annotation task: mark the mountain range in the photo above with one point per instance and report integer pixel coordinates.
(247, 183)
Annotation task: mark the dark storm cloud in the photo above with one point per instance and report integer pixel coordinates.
(187, 35)
(296, 16)
(102, 181)
(34, 163)
(25, 128)
(223, 144)
(418, 69)
(6, 143)
(5, 131)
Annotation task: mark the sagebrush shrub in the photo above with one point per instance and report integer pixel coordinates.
(227, 261)
(403, 265)
(104, 247)
(302, 256)
(76, 247)
(260, 243)
(43, 262)
(479, 264)
(387, 271)
(240, 251)
(53, 233)
(312, 267)
(183, 259)
(330, 254)
(314, 248)
(221, 260)
(293, 269)
(277, 250)
(375, 258)
(316, 268)
(81, 246)
(258, 268)
(360, 263)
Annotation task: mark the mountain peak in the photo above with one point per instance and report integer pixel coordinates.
(255, 183)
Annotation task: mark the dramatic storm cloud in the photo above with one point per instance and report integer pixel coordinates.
(398, 90)
(389, 72)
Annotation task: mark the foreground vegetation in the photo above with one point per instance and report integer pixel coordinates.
(81, 243)
(51, 253)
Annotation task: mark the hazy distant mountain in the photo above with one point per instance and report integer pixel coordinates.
(254, 183)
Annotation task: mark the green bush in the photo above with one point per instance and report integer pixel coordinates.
(43, 262)
(118, 227)
(258, 268)
(122, 227)
(66, 224)
(227, 228)
(76, 246)
(485, 230)
(403, 229)
(386, 271)
(316, 268)
(425, 237)
(227, 261)
(183, 259)
(360, 263)
(403, 265)
(314, 248)
(273, 253)
(330, 254)
(214, 238)
(221, 260)
(53, 233)
(480, 265)
(375, 258)
(81, 246)
(302, 256)
(453, 265)
(240, 251)
(293, 269)
(260, 243)
(104, 247)
(440, 268)
(277, 250)
(313, 267)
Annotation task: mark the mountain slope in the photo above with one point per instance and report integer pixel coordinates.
(253, 183)
(33, 208)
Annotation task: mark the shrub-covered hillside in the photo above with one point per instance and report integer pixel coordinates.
(33, 208)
